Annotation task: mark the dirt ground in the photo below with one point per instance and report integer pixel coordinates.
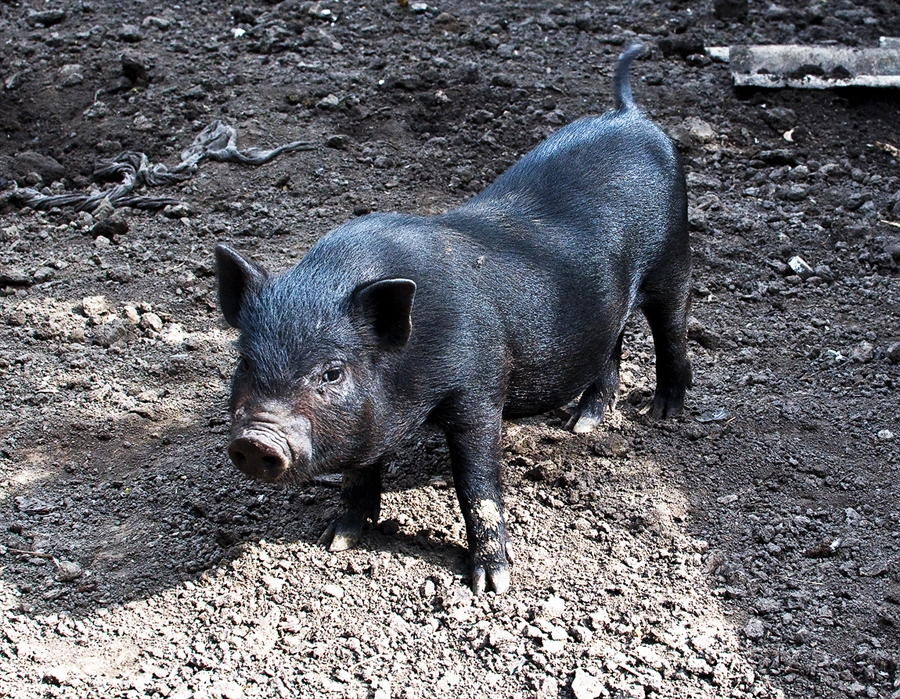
(750, 547)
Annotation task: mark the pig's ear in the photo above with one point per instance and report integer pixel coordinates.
(237, 278)
(385, 307)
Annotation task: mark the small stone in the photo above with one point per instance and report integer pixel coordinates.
(502, 640)
(863, 353)
(71, 74)
(552, 608)
(131, 315)
(157, 22)
(130, 33)
(110, 227)
(824, 271)
(329, 102)
(58, 675)
(800, 267)
(580, 525)
(227, 689)
(101, 242)
(42, 274)
(67, 571)
(45, 18)
(48, 168)
(273, 585)
(95, 307)
(754, 629)
(33, 506)
(885, 435)
(544, 471)
(110, 332)
(120, 273)
(173, 334)
(549, 688)
(10, 276)
(893, 352)
(176, 211)
(730, 10)
(133, 69)
(338, 141)
(151, 321)
(552, 647)
(700, 130)
(389, 527)
(585, 685)
(333, 591)
(582, 634)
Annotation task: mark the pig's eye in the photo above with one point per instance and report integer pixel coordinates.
(333, 375)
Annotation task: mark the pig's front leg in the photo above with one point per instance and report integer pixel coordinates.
(474, 454)
(361, 498)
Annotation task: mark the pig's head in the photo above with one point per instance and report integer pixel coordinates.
(313, 389)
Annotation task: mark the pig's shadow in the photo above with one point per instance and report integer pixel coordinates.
(423, 462)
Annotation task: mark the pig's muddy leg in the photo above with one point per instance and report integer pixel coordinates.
(668, 323)
(474, 454)
(600, 395)
(361, 498)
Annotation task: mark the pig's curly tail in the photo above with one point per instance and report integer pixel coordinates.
(622, 77)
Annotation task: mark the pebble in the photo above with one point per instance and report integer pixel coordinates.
(70, 75)
(800, 267)
(130, 33)
(151, 321)
(333, 591)
(67, 571)
(863, 353)
(552, 608)
(754, 629)
(95, 307)
(11, 276)
(585, 685)
(273, 584)
(120, 273)
(893, 352)
(502, 640)
(110, 332)
(552, 647)
(227, 689)
(110, 227)
(45, 18)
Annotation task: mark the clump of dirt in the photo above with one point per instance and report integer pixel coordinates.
(749, 548)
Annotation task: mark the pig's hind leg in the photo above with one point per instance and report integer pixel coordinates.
(666, 311)
(600, 395)
(361, 498)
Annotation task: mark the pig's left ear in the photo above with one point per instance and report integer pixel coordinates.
(238, 277)
(385, 307)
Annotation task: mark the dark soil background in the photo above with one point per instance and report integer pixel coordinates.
(748, 548)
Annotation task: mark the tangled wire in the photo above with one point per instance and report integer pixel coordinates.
(218, 141)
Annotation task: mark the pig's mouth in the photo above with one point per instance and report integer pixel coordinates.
(265, 450)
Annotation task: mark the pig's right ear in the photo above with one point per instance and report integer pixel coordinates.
(385, 307)
(237, 278)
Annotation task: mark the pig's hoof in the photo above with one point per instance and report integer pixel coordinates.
(492, 574)
(586, 423)
(667, 404)
(341, 535)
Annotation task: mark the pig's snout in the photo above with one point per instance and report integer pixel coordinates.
(258, 458)
(269, 443)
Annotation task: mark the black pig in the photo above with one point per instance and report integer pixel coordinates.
(510, 305)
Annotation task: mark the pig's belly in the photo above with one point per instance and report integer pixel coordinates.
(547, 382)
